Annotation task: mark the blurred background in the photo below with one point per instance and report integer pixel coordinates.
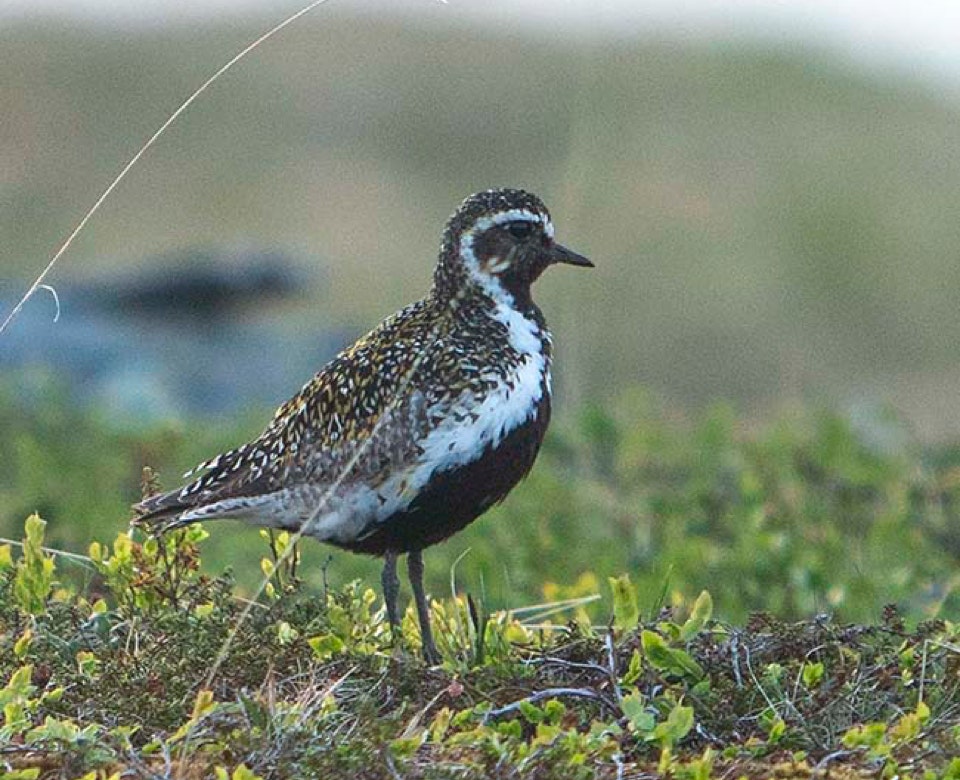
(769, 191)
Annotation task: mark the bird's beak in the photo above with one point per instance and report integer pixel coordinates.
(560, 254)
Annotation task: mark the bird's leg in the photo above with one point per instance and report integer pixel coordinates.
(415, 570)
(391, 590)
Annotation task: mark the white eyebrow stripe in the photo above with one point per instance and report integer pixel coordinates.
(486, 280)
(513, 215)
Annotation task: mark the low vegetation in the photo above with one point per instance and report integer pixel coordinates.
(153, 669)
(806, 514)
(664, 596)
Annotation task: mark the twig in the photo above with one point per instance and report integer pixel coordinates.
(314, 698)
(923, 670)
(548, 693)
(735, 657)
(549, 659)
(540, 611)
(612, 663)
(457, 613)
(390, 765)
(83, 560)
(410, 729)
(618, 760)
(708, 736)
(829, 758)
(56, 299)
(323, 575)
(753, 676)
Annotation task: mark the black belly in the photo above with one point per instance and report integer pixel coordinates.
(455, 498)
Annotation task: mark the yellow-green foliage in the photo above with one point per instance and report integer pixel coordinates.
(807, 514)
(33, 580)
(152, 664)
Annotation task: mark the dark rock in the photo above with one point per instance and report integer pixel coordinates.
(197, 334)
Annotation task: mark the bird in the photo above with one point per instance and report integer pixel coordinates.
(418, 428)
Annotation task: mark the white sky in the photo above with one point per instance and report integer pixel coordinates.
(921, 36)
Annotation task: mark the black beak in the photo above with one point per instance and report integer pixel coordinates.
(560, 254)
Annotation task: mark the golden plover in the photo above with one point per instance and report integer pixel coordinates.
(418, 428)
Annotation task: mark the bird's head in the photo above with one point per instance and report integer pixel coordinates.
(498, 242)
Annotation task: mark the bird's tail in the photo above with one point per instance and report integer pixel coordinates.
(163, 512)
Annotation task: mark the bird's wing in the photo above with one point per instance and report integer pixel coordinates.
(360, 413)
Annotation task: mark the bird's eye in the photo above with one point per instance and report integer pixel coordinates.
(520, 228)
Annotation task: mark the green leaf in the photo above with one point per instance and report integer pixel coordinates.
(554, 710)
(812, 674)
(675, 727)
(531, 712)
(634, 669)
(405, 747)
(440, 725)
(635, 710)
(203, 610)
(33, 580)
(22, 774)
(16, 697)
(267, 567)
(773, 674)
(88, 663)
(701, 768)
(22, 645)
(325, 646)
(776, 730)
(656, 650)
(203, 704)
(286, 633)
(241, 772)
(65, 731)
(699, 616)
(909, 726)
(626, 610)
(668, 659)
(869, 735)
(546, 734)
(952, 771)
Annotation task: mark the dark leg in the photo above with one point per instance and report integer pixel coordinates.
(415, 570)
(391, 590)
